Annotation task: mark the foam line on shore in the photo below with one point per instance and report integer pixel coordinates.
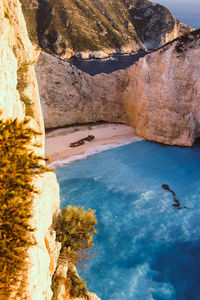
(92, 151)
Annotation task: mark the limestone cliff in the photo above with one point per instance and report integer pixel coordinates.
(159, 95)
(17, 58)
(70, 96)
(19, 98)
(163, 92)
(97, 28)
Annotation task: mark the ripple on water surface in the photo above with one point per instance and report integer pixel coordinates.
(145, 249)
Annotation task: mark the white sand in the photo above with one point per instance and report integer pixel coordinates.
(57, 141)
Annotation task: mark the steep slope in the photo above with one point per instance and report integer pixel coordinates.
(17, 57)
(163, 100)
(19, 98)
(98, 28)
(70, 96)
(159, 95)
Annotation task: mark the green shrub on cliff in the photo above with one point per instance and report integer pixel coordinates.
(75, 228)
(18, 166)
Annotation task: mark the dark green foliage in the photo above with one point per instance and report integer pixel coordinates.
(18, 166)
(78, 287)
(75, 229)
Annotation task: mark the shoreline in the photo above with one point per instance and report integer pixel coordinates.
(106, 136)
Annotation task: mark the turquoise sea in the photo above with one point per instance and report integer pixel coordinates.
(146, 249)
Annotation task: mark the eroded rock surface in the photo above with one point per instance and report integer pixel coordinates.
(19, 98)
(159, 95)
(70, 96)
(17, 57)
(163, 93)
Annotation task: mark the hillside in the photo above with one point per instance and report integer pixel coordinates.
(68, 27)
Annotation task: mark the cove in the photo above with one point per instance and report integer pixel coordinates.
(116, 62)
(146, 249)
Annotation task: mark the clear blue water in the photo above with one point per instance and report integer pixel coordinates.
(145, 249)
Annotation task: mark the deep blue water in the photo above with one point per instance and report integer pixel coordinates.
(96, 66)
(145, 249)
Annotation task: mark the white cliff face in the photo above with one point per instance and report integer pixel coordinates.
(10, 103)
(159, 95)
(163, 100)
(17, 59)
(44, 255)
(70, 96)
(16, 53)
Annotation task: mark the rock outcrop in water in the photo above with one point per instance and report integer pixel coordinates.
(97, 28)
(159, 95)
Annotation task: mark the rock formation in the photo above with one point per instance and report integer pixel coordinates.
(17, 53)
(19, 98)
(159, 95)
(163, 92)
(70, 96)
(98, 28)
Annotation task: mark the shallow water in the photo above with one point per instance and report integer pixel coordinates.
(145, 249)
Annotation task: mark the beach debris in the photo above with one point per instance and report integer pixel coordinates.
(89, 138)
(177, 202)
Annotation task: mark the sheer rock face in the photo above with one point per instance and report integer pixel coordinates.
(163, 93)
(103, 27)
(159, 95)
(70, 96)
(17, 58)
(17, 55)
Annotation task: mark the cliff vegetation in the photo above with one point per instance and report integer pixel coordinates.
(18, 166)
(75, 229)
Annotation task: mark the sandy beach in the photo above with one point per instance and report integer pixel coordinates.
(57, 141)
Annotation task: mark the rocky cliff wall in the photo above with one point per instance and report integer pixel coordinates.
(19, 98)
(103, 27)
(17, 58)
(162, 97)
(70, 96)
(159, 95)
